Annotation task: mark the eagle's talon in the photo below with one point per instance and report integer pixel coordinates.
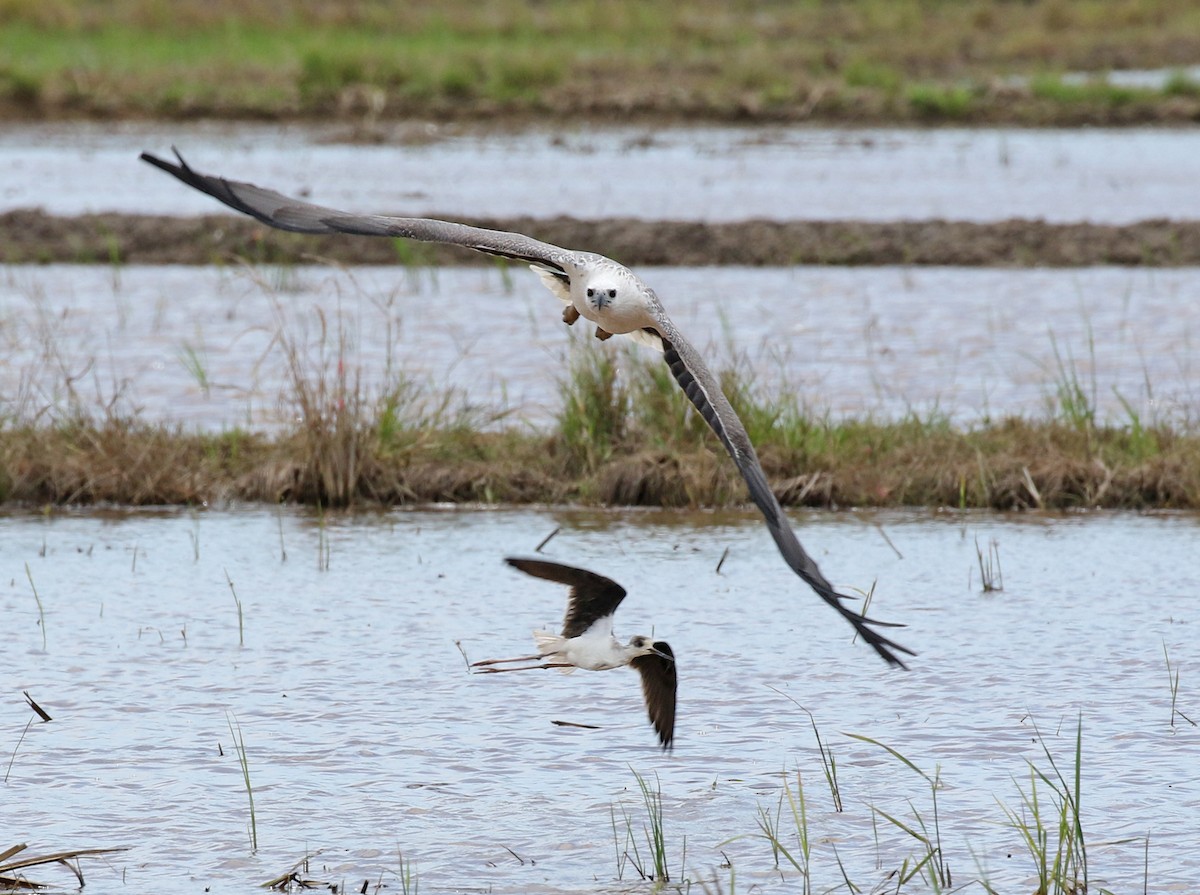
(603, 334)
(570, 314)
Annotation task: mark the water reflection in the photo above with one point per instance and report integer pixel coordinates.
(366, 738)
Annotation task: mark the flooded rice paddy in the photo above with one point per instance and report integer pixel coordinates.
(369, 746)
(331, 642)
(1112, 176)
(205, 346)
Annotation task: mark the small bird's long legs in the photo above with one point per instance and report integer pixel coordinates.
(523, 668)
(505, 661)
(482, 665)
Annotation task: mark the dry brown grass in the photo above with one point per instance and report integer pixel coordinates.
(12, 868)
(1016, 464)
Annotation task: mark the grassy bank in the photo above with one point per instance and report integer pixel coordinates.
(869, 60)
(624, 435)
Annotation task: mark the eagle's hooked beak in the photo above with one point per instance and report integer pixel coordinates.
(601, 297)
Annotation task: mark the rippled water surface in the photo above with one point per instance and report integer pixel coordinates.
(366, 740)
(203, 346)
(714, 174)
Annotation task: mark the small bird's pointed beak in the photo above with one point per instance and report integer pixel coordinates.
(660, 653)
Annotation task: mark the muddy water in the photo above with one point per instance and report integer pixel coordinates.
(201, 346)
(712, 174)
(366, 739)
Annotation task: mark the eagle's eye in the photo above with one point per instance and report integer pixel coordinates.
(590, 292)
(612, 293)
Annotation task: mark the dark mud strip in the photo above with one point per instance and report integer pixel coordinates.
(35, 237)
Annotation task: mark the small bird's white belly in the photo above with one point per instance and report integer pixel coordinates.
(594, 653)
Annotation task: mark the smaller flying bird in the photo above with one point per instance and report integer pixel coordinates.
(587, 641)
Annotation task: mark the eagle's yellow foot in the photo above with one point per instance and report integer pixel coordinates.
(570, 314)
(603, 334)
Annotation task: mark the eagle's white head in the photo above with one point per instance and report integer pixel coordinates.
(610, 295)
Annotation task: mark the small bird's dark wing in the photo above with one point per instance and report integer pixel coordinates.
(659, 683)
(592, 596)
(703, 390)
(286, 213)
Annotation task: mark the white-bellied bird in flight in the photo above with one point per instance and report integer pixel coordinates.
(591, 286)
(587, 641)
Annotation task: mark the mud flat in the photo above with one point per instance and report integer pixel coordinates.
(34, 237)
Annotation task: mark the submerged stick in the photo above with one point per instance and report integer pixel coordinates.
(37, 708)
(546, 540)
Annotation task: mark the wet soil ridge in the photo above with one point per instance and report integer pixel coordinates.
(34, 237)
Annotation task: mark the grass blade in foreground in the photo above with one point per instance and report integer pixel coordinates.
(239, 744)
(934, 856)
(41, 611)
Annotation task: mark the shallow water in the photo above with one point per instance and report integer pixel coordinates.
(1138, 78)
(708, 173)
(366, 739)
(199, 345)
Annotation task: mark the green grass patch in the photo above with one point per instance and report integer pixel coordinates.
(870, 74)
(1181, 84)
(463, 59)
(1092, 91)
(935, 101)
(1049, 822)
(918, 834)
(652, 865)
(595, 410)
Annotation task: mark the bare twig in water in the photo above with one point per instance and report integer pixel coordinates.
(888, 540)
(721, 561)
(296, 875)
(13, 758)
(576, 724)
(518, 857)
(8, 867)
(37, 708)
(546, 540)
